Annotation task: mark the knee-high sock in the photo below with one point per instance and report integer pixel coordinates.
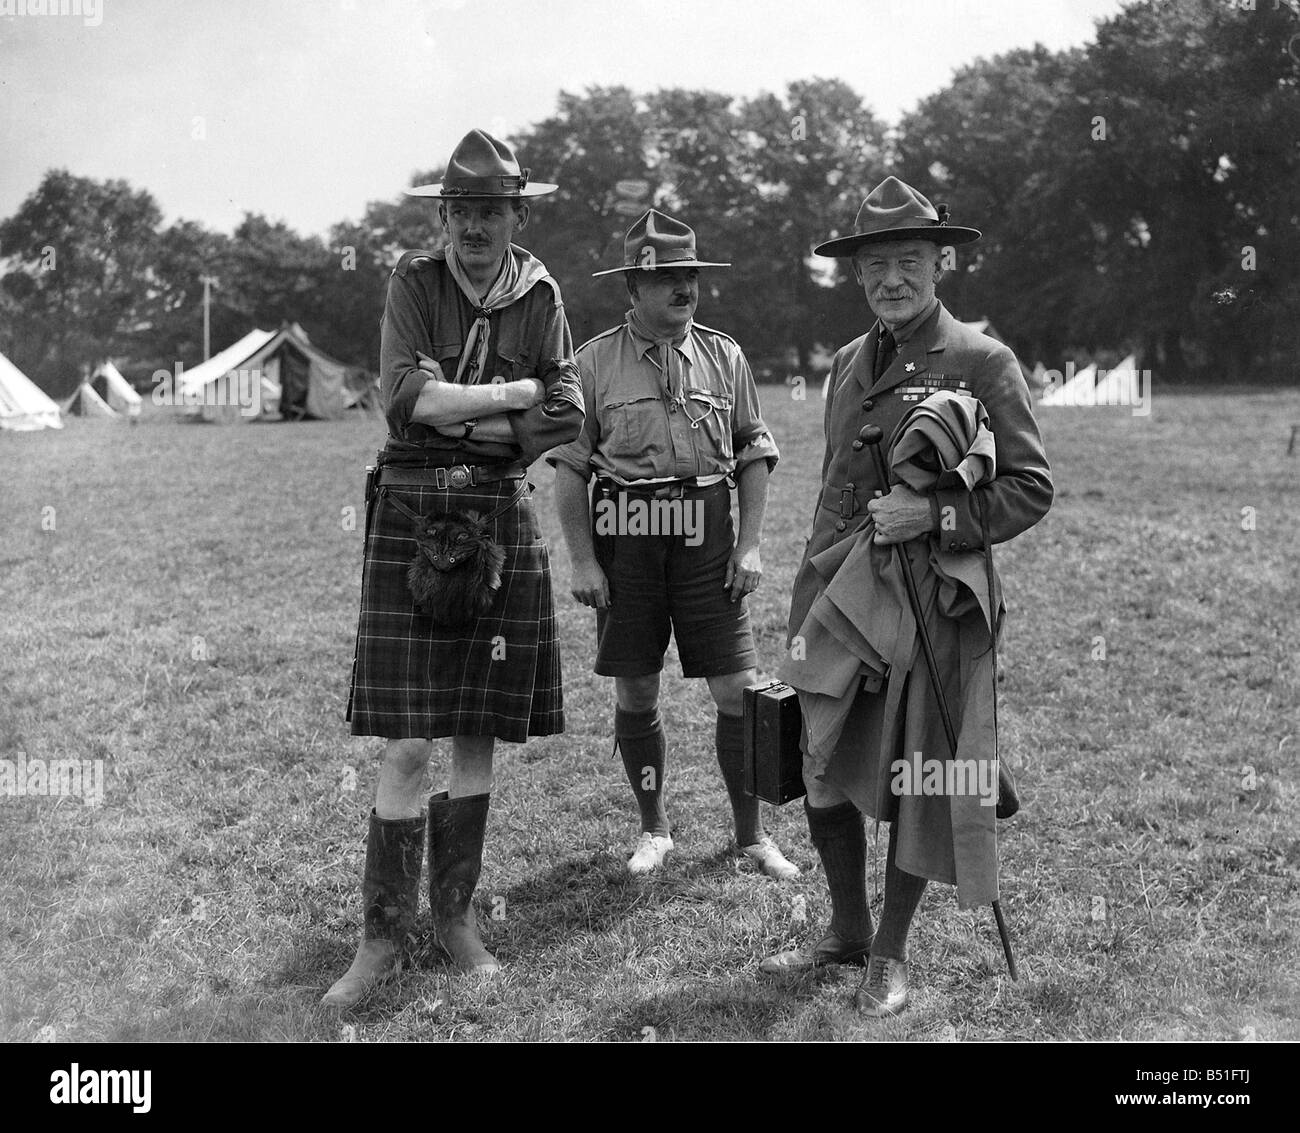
(902, 895)
(731, 758)
(841, 840)
(642, 745)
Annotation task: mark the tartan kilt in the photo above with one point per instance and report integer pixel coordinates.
(497, 676)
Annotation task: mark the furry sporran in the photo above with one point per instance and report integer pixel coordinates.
(456, 572)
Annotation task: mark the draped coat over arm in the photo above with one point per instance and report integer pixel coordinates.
(941, 838)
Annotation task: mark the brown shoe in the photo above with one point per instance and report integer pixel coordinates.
(390, 893)
(883, 991)
(455, 860)
(831, 949)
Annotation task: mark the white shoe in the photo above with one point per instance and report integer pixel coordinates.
(770, 859)
(649, 852)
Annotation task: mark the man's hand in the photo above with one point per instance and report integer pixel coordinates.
(744, 570)
(590, 587)
(430, 366)
(902, 515)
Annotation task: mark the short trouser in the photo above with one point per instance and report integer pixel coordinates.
(665, 567)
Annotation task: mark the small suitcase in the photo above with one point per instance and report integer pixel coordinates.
(773, 758)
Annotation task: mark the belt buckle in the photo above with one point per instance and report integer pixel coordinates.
(457, 476)
(673, 492)
(848, 502)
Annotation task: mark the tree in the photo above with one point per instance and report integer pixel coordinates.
(1202, 163)
(1136, 194)
(761, 181)
(591, 146)
(810, 161)
(170, 329)
(78, 253)
(362, 256)
(995, 145)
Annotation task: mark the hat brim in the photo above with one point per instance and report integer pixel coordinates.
(663, 266)
(945, 235)
(532, 189)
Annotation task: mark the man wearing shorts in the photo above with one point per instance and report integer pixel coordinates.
(672, 416)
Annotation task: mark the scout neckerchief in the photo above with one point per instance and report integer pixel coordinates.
(670, 364)
(519, 272)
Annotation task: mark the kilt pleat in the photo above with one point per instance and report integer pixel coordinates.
(497, 676)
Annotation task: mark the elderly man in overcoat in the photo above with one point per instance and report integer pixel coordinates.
(915, 349)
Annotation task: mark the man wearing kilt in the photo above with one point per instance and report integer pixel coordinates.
(672, 416)
(478, 379)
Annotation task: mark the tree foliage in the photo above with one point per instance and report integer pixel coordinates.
(1138, 193)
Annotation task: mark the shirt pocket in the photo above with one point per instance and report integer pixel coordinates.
(635, 427)
(447, 355)
(515, 361)
(710, 412)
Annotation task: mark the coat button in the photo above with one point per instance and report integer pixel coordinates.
(868, 405)
(841, 526)
(952, 546)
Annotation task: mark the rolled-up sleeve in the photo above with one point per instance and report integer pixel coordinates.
(751, 439)
(578, 452)
(558, 419)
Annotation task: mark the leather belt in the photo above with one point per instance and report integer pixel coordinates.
(673, 491)
(455, 476)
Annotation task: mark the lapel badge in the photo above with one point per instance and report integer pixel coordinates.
(910, 367)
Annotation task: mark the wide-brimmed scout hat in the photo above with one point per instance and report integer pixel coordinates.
(481, 166)
(896, 211)
(659, 241)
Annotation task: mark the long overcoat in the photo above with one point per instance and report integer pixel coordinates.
(942, 354)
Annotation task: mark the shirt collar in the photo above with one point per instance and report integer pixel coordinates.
(909, 328)
(644, 345)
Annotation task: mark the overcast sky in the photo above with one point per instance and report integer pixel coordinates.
(307, 109)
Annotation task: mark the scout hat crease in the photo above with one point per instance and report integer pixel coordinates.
(896, 211)
(481, 166)
(659, 241)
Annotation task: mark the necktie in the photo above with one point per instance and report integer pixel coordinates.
(886, 349)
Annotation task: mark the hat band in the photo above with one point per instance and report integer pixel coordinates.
(486, 186)
(894, 222)
(661, 256)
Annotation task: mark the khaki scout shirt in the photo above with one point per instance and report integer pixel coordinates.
(701, 420)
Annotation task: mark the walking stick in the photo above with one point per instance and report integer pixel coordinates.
(872, 435)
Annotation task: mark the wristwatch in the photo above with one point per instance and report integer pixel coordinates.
(469, 428)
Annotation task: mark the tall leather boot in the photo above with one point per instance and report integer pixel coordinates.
(455, 860)
(390, 895)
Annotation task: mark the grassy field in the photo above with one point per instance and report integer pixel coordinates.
(189, 620)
